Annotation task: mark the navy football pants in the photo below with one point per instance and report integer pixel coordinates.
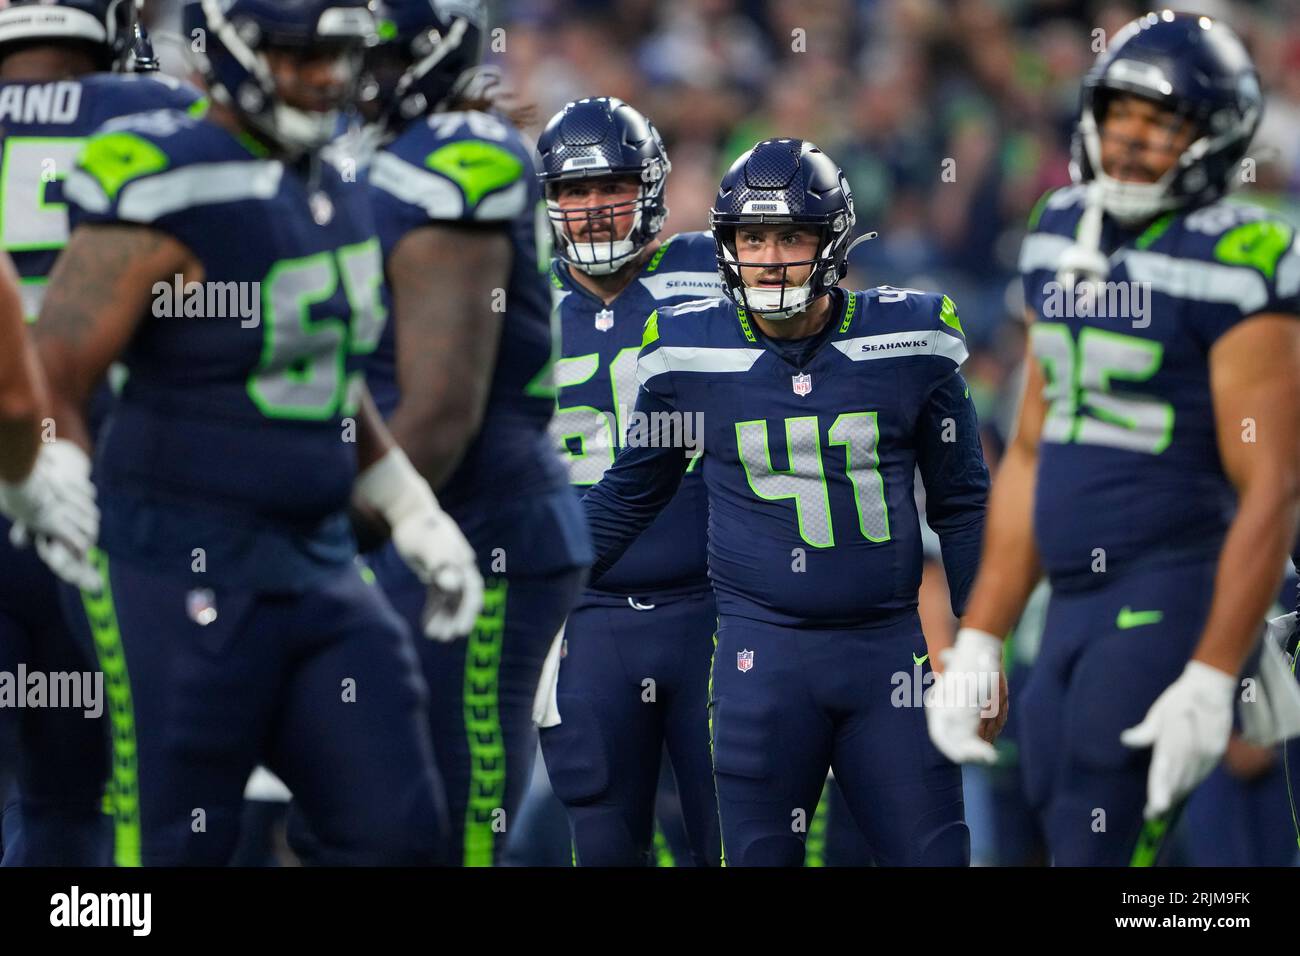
(816, 699)
(1092, 680)
(632, 682)
(58, 755)
(322, 686)
(482, 690)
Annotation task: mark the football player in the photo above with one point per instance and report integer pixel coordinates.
(1155, 473)
(464, 375)
(238, 278)
(61, 76)
(817, 404)
(634, 677)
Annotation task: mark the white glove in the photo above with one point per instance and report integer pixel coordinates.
(1187, 728)
(55, 506)
(430, 543)
(966, 690)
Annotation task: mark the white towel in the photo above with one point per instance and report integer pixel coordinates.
(1274, 714)
(546, 710)
(264, 785)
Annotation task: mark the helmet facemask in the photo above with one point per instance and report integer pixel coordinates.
(1198, 174)
(606, 256)
(777, 303)
(342, 34)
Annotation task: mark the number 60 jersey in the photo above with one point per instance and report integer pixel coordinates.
(810, 449)
(232, 430)
(1129, 474)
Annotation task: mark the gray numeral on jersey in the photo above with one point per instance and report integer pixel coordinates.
(805, 479)
(859, 433)
(1083, 408)
(301, 374)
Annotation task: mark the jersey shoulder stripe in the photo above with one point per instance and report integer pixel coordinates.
(143, 167)
(899, 323)
(458, 166)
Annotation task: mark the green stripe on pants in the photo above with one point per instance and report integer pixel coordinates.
(815, 845)
(123, 794)
(487, 750)
(1152, 838)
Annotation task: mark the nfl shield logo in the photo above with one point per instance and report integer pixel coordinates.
(604, 320)
(802, 384)
(744, 661)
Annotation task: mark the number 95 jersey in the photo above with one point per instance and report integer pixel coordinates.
(1129, 473)
(240, 389)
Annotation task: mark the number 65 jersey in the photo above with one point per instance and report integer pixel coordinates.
(232, 433)
(810, 450)
(1129, 474)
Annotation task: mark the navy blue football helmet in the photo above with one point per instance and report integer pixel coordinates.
(429, 53)
(602, 137)
(1194, 66)
(784, 181)
(109, 27)
(239, 33)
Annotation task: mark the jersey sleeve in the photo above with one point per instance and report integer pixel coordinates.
(426, 177)
(133, 170)
(653, 369)
(635, 489)
(950, 351)
(1268, 248)
(956, 479)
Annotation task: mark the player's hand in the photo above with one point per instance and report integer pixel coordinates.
(992, 725)
(429, 541)
(433, 548)
(964, 707)
(55, 507)
(1187, 728)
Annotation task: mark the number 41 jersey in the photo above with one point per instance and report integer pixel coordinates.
(809, 458)
(1128, 465)
(232, 430)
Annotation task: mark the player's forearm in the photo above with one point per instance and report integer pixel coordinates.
(1250, 569)
(1009, 566)
(446, 283)
(436, 431)
(373, 437)
(632, 492)
(23, 403)
(960, 545)
(956, 481)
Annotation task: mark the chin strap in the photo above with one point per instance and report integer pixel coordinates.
(1084, 261)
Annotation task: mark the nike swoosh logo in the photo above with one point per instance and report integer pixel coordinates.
(1128, 618)
(640, 607)
(918, 661)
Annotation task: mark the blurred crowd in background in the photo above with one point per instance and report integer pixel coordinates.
(949, 117)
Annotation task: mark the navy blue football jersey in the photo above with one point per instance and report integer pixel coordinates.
(1128, 466)
(509, 492)
(809, 462)
(43, 127)
(234, 432)
(596, 377)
